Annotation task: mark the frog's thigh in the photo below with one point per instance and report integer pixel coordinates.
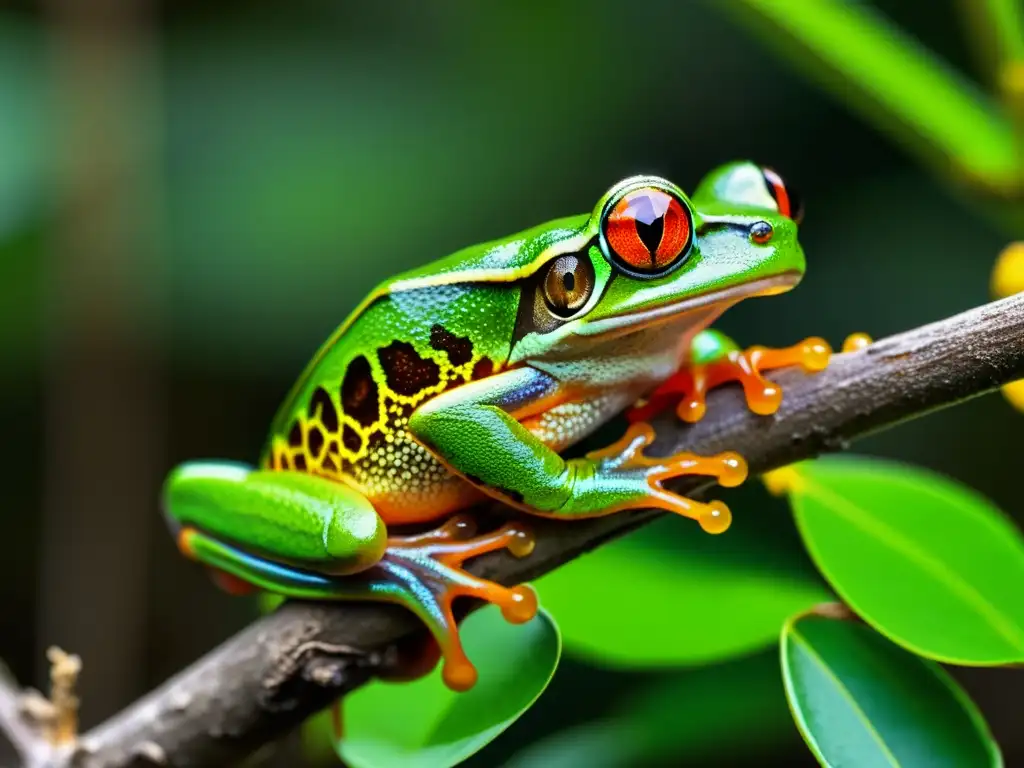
(475, 430)
(289, 516)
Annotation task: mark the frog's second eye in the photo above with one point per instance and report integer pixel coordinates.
(568, 284)
(648, 231)
(786, 198)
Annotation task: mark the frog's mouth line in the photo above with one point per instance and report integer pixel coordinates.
(712, 304)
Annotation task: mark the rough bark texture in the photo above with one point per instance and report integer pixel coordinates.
(288, 665)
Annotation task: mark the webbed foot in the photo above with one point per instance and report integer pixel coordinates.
(687, 389)
(628, 454)
(421, 572)
(425, 574)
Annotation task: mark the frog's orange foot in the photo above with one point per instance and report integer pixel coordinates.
(688, 388)
(856, 342)
(425, 573)
(728, 468)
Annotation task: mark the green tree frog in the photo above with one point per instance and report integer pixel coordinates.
(463, 380)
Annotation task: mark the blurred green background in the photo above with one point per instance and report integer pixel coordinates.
(193, 195)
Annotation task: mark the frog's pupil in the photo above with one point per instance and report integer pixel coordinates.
(569, 282)
(650, 232)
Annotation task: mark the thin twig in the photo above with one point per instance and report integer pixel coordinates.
(20, 733)
(292, 663)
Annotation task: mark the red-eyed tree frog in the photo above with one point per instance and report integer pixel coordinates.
(463, 380)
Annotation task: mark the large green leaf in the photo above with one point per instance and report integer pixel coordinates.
(425, 725)
(891, 79)
(861, 701)
(670, 594)
(687, 715)
(929, 563)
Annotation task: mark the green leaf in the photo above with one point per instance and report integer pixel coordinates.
(25, 142)
(894, 81)
(859, 700)
(931, 564)
(691, 714)
(997, 29)
(424, 725)
(671, 594)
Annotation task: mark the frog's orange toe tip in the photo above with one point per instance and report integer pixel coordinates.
(856, 341)
(691, 411)
(523, 605)
(522, 541)
(642, 430)
(816, 355)
(767, 402)
(459, 675)
(461, 526)
(716, 518)
(734, 470)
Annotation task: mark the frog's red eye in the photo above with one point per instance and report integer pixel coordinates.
(786, 198)
(648, 231)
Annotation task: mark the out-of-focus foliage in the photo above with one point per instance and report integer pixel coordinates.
(926, 561)
(1008, 273)
(388, 162)
(425, 725)
(873, 65)
(671, 595)
(684, 716)
(1007, 280)
(859, 700)
(312, 149)
(25, 131)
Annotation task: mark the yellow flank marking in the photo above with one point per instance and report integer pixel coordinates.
(908, 548)
(454, 277)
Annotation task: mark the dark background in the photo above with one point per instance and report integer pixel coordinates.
(192, 198)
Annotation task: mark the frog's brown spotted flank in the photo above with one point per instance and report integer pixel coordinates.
(361, 434)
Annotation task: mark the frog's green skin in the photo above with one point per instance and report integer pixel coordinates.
(461, 380)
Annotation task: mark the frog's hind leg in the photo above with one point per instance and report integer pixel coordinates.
(715, 359)
(425, 574)
(421, 572)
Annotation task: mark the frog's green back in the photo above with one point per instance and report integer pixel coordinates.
(502, 259)
(414, 337)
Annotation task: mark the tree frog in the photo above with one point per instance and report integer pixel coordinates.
(463, 380)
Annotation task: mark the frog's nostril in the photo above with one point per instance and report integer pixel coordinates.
(761, 232)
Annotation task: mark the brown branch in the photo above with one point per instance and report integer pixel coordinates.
(289, 665)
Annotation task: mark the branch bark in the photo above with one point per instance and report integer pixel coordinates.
(290, 664)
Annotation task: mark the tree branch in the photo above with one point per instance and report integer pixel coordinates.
(27, 740)
(290, 664)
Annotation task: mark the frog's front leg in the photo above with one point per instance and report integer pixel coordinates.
(715, 359)
(476, 431)
(308, 537)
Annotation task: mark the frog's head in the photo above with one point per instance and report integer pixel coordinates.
(649, 255)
